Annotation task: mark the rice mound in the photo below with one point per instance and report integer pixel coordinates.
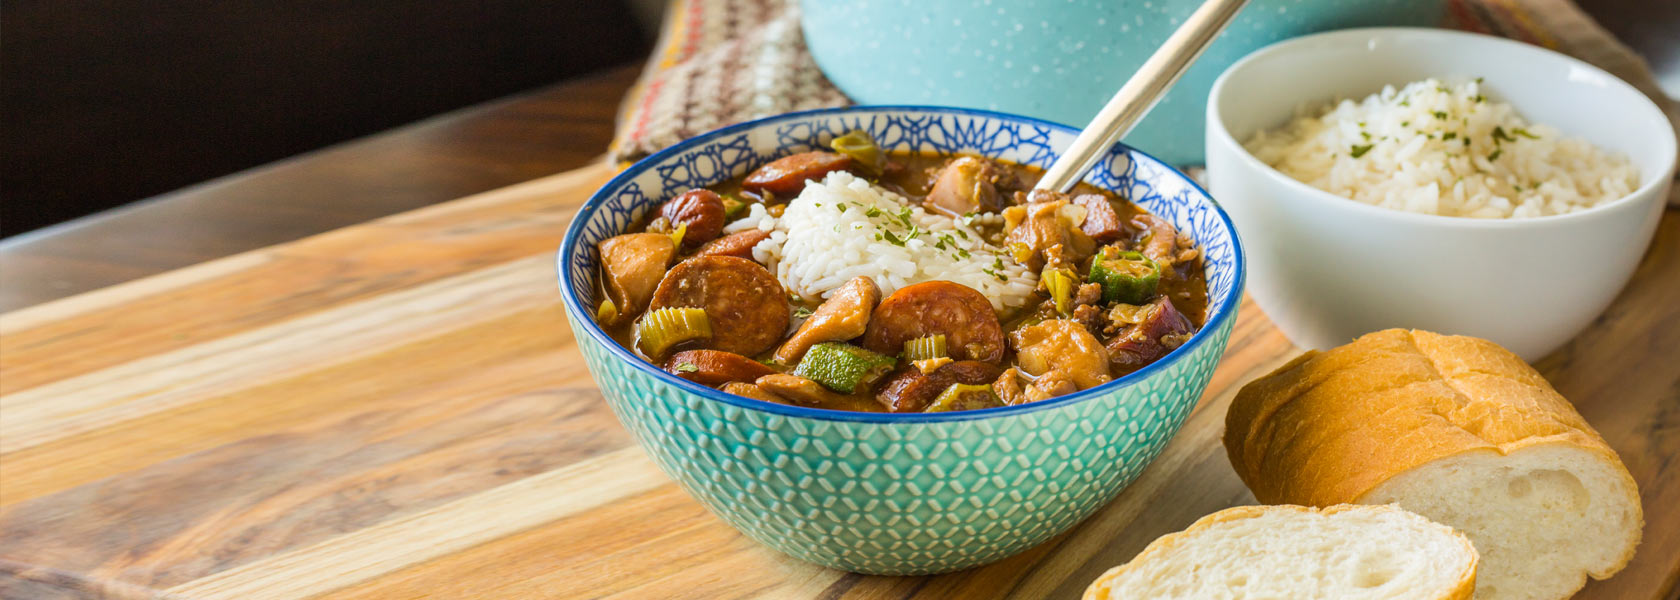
(1434, 149)
(843, 227)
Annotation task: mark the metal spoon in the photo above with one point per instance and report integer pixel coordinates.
(1140, 93)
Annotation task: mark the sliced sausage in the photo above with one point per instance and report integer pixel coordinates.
(738, 244)
(1155, 333)
(1101, 222)
(715, 367)
(633, 264)
(786, 176)
(701, 210)
(965, 317)
(752, 391)
(1161, 243)
(843, 316)
(911, 390)
(747, 307)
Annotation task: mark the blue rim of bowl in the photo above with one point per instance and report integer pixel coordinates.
(1226, 310)
(1332, 200)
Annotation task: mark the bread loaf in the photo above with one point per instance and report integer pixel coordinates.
(1456, 429)
(1344, 552)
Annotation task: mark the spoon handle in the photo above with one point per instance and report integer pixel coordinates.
(1140, 93)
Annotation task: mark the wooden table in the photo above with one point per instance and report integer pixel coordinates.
(397, 410)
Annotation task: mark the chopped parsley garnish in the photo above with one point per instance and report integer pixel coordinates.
(1449, 135)
(1440, 115)
(1495, 155)
(1499, 135)
(801, 312)
(685, 368)
(1359, 150)
(996, 270)
(874, 211)
(1524, 132)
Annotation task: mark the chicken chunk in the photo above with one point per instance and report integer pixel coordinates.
(1008, 387)
(965, 185)
(751, 390)
(1062, 356)
(1047, 220)
(804, 392)
(843, 316)
(634, 263)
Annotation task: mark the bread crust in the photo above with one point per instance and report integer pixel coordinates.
(1414, 397)
(1102, 587)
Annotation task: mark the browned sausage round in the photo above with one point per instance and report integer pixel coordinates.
(786, 176)
(702, 210)
(715, 367)
(965, 317)
(747, 307)
(1142, 343)
(910, 390)
(738, 244)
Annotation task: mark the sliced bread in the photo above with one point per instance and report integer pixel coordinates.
(1456, 429)
(1345, 552)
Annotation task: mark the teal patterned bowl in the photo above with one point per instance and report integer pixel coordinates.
(1058, 59)
(899, 494)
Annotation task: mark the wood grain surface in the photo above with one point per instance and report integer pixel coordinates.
(397, 410)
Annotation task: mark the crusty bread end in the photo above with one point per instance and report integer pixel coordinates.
(1344, 552)
(1456, 429)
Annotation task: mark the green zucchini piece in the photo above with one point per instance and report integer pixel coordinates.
(963, 396)
(659, 330)
(843, 367)
(733, 207)
(861, 148)
(927, 347)
(1127, 277)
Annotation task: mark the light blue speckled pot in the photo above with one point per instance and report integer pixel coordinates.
(911, 493)
(1058, 60)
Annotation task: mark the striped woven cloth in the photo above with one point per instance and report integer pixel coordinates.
(720, 62)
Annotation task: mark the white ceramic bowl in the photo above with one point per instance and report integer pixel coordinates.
(1327, 269)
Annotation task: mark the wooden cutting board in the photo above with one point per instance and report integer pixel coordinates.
(397, 410)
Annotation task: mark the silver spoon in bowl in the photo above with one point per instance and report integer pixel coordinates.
(1140, 93)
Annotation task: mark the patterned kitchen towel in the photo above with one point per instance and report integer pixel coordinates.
(720, 62)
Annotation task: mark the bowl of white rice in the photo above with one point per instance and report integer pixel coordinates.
(1435, 179)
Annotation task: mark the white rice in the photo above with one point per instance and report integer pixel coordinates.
(1434, 149)
(843, 227)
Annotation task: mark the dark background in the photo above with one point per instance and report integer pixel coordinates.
(103, 102)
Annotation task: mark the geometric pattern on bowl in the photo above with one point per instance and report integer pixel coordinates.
(912, 493)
